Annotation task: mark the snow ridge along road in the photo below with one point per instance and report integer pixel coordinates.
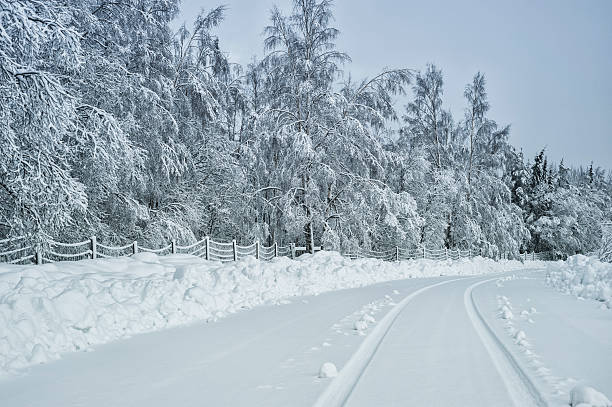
(520, 388)
(340, 389)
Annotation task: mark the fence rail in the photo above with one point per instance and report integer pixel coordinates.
(398, 253)
(19, 251)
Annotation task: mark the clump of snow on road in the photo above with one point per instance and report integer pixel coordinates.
(584, 277)
(62, 307)
(368, 318)
(328, 370)
(360, 325)
(585, 396)
(512, 327)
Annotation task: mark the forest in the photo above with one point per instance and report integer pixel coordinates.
(113, 124)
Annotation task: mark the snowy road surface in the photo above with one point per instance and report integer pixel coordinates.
(437, 351)
(437, 358)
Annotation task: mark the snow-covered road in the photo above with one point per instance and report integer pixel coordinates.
(267, 356)
(436, 351)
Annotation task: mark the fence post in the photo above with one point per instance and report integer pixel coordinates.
(446, 252)
(276, 249)
(396, 253)
(234, 250)
(312, 242)
(423, 251)
(39, 259)
(257, 249)
(292, 246)
(93, 247)
(533, 255)
(173, 246)
(135, 247)
(207, 245)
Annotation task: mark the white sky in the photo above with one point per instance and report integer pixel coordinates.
(548, 63)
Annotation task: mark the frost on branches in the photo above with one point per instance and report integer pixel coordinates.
(113, 124)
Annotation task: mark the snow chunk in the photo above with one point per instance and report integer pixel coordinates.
(328, 370)
(368, 319)
(506, 313)
(360, 325)
(588, 396)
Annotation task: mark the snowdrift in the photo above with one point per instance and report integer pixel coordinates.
(584, 277)
(63, 307)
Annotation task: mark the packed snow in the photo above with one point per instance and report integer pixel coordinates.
(584, 277)
(56, 308)
(563, 345)
(584, 396)
(273, 354)
(328, 370)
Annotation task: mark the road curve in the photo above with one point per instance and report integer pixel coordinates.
(341, 388)
(438, 351)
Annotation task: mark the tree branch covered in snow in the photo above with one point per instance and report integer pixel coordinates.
(112, 124)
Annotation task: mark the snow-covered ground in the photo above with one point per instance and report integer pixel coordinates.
(561, 341)
(64, 307)
(268, 356)
(458, 339)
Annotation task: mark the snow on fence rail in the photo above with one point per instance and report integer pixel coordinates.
(19, 251)
(398, 253)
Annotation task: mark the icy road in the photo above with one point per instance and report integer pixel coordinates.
(469, 341)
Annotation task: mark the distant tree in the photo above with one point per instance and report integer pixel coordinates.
(563, 180)
(424, 115)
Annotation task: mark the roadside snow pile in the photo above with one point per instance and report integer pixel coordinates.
(584, 277)
(584, 396)
(62, 307)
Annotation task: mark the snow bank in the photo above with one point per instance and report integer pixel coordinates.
(584, 396)
(55, 308)
(584, 277)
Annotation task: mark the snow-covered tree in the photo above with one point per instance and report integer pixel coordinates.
(38, 111)
(112, 124)
(319, 142)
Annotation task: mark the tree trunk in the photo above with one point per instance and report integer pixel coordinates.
(469, 194)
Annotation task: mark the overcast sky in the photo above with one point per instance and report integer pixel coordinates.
(548, 64)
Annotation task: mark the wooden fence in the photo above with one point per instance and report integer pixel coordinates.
(398, 253)
(20, 250)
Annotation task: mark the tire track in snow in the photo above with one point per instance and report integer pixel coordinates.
(520, 387)
(340, 389)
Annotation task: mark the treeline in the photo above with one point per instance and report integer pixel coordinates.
(112, 124)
